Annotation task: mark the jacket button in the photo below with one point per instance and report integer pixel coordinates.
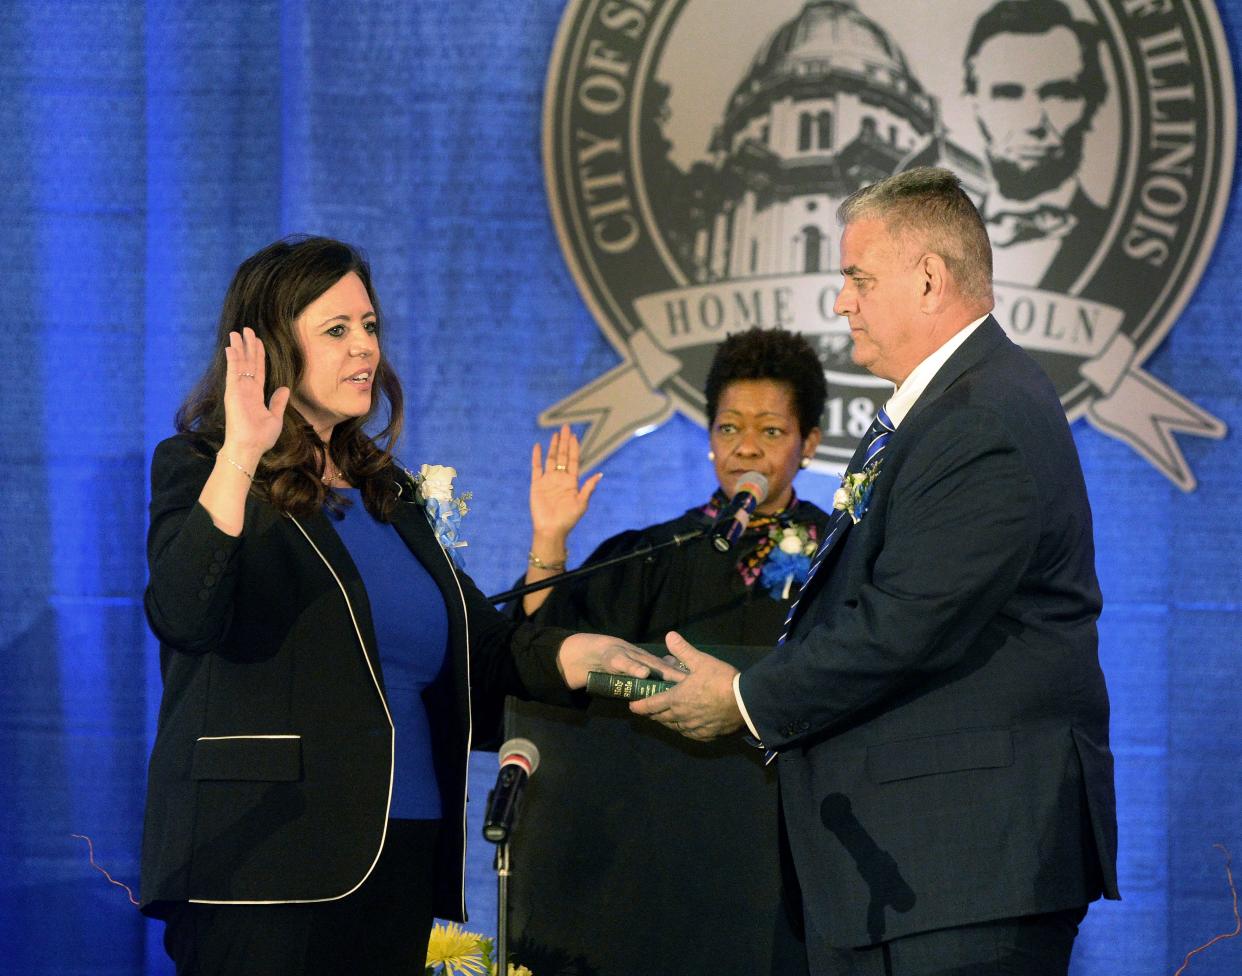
(204, 595)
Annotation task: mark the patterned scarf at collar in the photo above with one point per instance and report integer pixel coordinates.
(768, 528)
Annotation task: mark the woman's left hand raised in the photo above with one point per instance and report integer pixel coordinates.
(557, 500)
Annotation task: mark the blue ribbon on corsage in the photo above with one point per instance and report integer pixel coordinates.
(444, 510)
(789, 561)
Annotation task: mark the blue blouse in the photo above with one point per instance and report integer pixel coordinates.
(411, 627)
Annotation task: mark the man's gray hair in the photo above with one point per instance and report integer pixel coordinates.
(927, 208)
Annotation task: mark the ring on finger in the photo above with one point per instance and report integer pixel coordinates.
(248, 376)
(561, 467)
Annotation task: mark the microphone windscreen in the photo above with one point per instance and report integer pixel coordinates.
(755, 483)
(523, 752)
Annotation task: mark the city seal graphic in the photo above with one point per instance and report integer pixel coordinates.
(695, 152)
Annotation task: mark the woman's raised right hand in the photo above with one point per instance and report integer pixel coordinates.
(251, 425)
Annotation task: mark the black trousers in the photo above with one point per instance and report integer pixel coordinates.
(381, 929)
(1031, 945)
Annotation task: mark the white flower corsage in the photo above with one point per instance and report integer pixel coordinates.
(789, 562)
(854, 495)
(434, 488)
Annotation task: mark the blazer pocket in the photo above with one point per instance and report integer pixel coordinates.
(934, 754)
(276, 758)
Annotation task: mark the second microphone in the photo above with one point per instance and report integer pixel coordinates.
(751, 491)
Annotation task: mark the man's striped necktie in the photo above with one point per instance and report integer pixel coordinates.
(876, 439)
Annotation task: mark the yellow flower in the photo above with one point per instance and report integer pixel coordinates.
(456, 950)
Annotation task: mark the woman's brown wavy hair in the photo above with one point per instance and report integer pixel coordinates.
(268, 293)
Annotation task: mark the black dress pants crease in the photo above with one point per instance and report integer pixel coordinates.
(380, 929)
(1031, 945)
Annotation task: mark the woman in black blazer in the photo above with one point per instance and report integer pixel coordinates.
(307, 787)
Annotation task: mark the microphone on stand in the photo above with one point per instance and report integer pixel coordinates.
(519, 758)
(752, 489)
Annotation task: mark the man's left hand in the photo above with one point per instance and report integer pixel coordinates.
(702, 705)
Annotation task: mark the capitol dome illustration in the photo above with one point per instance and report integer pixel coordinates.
(828, 104)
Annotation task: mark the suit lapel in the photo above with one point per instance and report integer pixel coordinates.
(1078, 245)
(324, 538)
(839, 524)
(977, 347)
(974, 350)
(410, 521)
(837, 529)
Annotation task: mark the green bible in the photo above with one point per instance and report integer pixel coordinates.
(604, 684)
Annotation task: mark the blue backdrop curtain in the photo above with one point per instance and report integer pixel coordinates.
(149, 148)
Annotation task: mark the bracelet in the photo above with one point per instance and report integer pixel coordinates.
(540, 564)
(236, 465)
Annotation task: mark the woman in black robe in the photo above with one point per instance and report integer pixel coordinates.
(626, 823)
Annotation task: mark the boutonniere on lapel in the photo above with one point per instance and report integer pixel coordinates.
(433, 486)
(854, 495)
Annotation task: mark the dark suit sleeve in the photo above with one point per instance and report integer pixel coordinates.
(507, 658)
(960, 525)
(192, 564)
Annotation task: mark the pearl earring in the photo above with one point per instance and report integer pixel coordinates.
(804, 463)
(711, 455)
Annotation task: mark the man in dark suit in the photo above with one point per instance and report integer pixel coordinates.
(936, 703)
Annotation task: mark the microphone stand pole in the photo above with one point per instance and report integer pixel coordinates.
(502, 907)
(643, 550)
